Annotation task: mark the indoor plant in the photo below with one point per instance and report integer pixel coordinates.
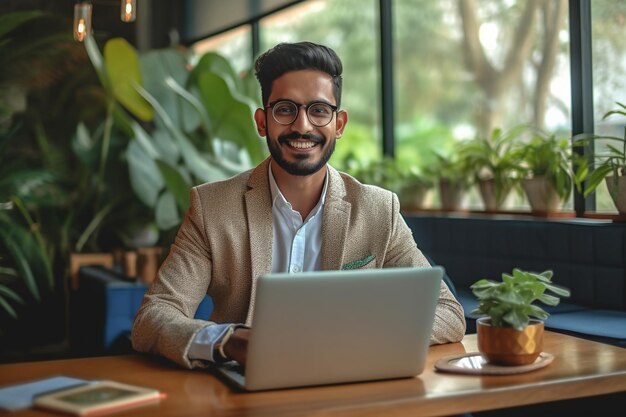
(203, 127)
(454, 174)
(549, 176)
(384, 173)
(610, 164)
(89, 165)
(508, 335)
(496, 161)
(414, 189)
(409, 183)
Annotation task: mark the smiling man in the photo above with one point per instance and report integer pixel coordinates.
(292, 213)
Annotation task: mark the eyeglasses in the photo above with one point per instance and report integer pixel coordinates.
(285, 112)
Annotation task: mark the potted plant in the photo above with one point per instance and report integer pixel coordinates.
(410, 184)
(83, 169)
(548, 173)
(496, 160)
(610, 164)
(383, 173)
(454, 174)
(414, 189)
(507, 335)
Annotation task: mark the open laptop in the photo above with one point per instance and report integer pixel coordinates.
(328, 327)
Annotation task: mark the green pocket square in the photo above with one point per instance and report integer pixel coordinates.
(359, 263)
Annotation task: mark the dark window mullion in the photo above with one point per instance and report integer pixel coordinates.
(582, 86)
(255, 33)
(386, 75)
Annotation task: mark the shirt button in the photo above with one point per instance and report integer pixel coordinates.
(295, 269)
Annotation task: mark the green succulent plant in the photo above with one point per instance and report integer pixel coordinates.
(511, 302)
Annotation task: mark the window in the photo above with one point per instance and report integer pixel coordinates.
(463, 71)
(235, 45)
(350, 27)
(609, 86)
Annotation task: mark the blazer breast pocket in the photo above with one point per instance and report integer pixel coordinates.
(364, 263)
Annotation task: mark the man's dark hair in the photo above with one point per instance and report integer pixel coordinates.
(286, 57)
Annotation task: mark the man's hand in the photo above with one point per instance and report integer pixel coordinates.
(237, 346)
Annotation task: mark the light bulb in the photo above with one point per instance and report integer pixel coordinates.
(82, 21)
(129, 10)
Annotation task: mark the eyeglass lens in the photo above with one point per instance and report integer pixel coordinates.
(286, 112)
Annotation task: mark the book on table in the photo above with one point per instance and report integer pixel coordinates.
(98, 398)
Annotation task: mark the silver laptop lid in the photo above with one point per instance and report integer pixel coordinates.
(329, 327)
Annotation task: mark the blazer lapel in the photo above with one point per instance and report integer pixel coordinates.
(259, 219)
(335, 222)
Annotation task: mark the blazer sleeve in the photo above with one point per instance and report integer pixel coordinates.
(164, 324)
(449, 325)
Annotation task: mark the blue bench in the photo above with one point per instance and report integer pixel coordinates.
(587, 256)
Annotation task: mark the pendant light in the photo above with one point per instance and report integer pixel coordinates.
(129, 10)
(82, 21)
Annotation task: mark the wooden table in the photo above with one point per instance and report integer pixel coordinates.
(581, 368)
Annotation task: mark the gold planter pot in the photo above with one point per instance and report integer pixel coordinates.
(507, 346)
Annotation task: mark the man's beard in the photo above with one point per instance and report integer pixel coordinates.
(302, 166)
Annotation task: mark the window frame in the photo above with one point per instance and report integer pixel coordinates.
(580, 69)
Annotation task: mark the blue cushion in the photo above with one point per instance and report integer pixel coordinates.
(468, 301)
(446, 278)
(603, 323)
(204, 309)
(563, 308)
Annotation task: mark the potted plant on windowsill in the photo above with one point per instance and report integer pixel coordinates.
(415, 189)
(497, 165)
(549, 176)
(507, 335)
(454, 175)
(610, 164)
(383, 173)
(410, 184)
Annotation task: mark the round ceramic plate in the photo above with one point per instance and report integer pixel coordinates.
(473, 363)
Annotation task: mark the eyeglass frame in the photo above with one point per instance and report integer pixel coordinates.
(335, 109)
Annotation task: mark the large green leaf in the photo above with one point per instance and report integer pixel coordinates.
(250, 88)
(213, 62)
(194, 106)
(231, 117)
(122, 65)
(166, 212)
(143, 139)
(145, 177)
(175, 184)
(166, 147)
(191, 156)
(158, 66)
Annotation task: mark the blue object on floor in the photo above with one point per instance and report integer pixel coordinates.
(103, 310)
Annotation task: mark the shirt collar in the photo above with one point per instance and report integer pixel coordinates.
(279, 198)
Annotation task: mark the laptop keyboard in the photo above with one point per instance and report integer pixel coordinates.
(234, 367)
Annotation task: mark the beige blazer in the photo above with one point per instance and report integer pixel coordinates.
(225, 244)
